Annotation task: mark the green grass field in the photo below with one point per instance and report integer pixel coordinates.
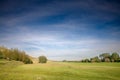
(13, 70)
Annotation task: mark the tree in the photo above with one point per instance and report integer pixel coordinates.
(95, 59)
(14, 54)
(104, 55)
(86, 60)
(64, 60)
(42, 59)
(115, 56)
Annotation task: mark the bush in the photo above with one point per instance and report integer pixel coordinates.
(42, 59)
(1, 55)
(27, 61)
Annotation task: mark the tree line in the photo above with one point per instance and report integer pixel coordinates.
(104, 57)
(14, 54)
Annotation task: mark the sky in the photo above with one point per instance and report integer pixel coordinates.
(61, 29)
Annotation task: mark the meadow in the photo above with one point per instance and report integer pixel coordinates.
(15, 70)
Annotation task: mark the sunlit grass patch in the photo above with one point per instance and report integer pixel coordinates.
(13, 70)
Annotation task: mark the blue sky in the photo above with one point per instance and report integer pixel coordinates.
(61, 29)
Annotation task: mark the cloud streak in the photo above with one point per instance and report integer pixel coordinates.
(54, 45)
(61, 29)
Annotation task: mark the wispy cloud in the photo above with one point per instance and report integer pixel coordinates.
(54, 45)
(59, 29)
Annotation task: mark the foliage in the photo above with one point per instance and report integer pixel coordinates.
(95, 59)
(115, 56)
(64, 60)
(14, 54)
(42, 59)
(104, 57)
(107, 60)
(1, 55)
(85, 60)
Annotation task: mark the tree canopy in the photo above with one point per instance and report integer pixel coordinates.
(105, 57)
(14, 54)
(115, 56)
(42, 59)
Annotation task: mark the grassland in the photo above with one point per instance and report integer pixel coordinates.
(13, 70)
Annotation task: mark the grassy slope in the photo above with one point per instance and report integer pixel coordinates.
(59, 71)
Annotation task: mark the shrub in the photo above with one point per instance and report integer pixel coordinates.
(1, 55)
(42, 59)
